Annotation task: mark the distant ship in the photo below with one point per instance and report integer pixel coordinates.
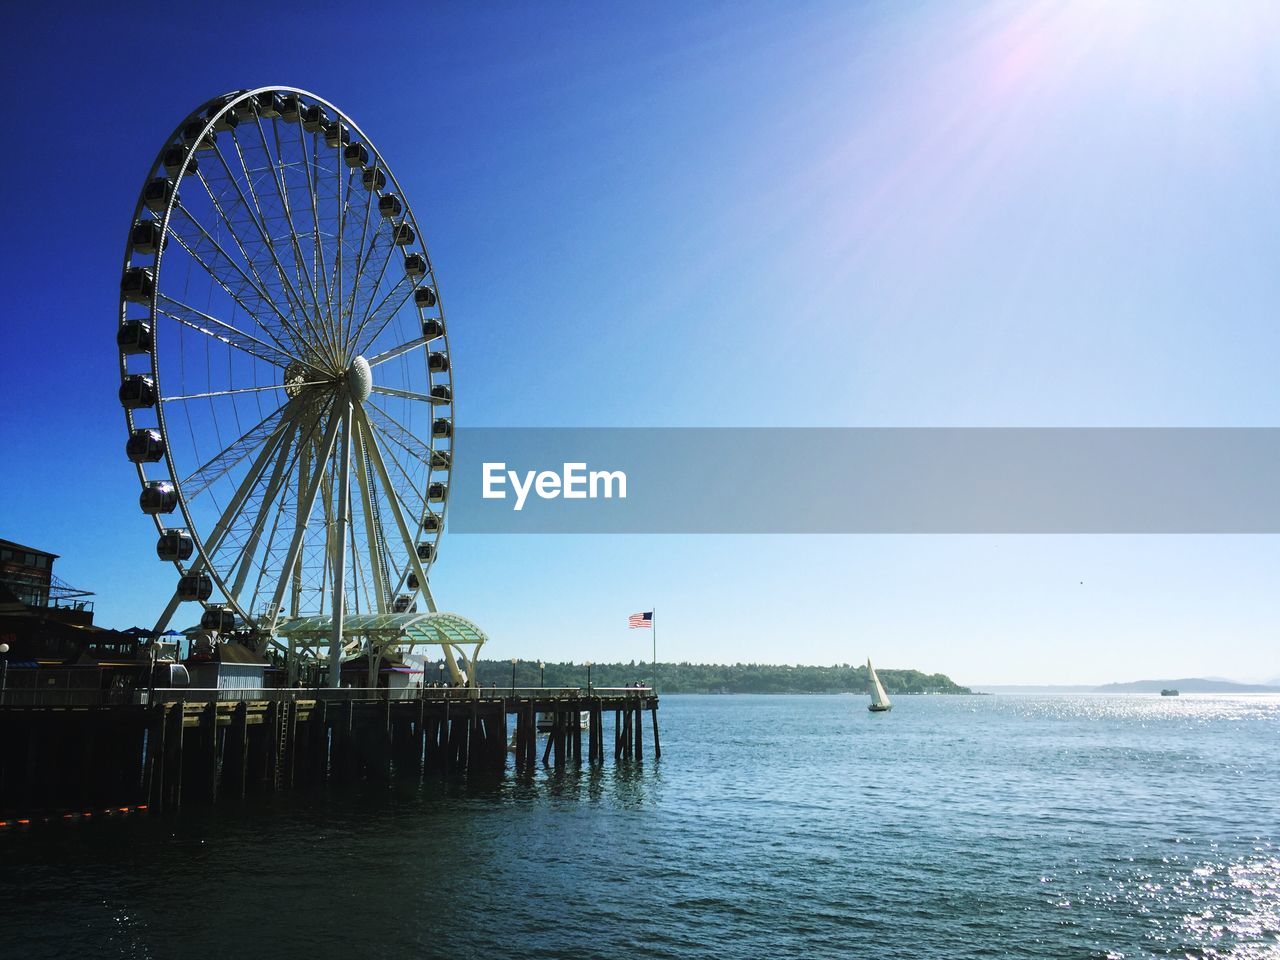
(880, 702)
(1168, 692)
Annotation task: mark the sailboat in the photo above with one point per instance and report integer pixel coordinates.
(880, 702)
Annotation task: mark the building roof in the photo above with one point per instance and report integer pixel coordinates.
(18, 546)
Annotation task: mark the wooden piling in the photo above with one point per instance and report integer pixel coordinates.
(316, 744)
(235, 752)
(531, 738)
(475, 736)
(575, 732)
(173, 755)
(657, 744)
(551, 739)
(596, 753)
(638, 724)
(502, 729)
(205, 742)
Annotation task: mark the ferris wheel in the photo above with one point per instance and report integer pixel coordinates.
(284, 369)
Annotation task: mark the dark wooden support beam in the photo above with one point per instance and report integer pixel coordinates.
(205, 753)
(154, 786)
(173, 755)
(638, 725)
(235, 752)
(657, 744)
(575, 728)
(531, 738)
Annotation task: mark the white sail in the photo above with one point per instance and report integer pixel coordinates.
(878, 697)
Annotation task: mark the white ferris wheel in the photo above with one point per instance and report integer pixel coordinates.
(286, 382)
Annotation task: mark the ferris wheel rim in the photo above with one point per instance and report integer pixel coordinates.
(201, 562)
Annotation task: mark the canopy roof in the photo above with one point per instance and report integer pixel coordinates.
(406, 627)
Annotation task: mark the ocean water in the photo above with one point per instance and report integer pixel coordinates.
(1004, 826)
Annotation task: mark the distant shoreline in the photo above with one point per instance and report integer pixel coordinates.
(687, 677)
(1183, 685)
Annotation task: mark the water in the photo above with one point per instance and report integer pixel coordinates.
(1009, 826)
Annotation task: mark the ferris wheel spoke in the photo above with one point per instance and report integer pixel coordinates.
(415, 506)
(249, 249)
(409, 395)
(228, 275)
(236, 503)
(351, 285)
(266, 556)
(312, 265)
(239, 390)
(362, 292)
(306, 503)
(394, 352)
(343, 200)
(393, 501)
(256, 215)
(364, 254)
(232, 336)
(279, 177)
(396, 432)
(406, 473)
(366, 308)
(375, 536)
(312, 172)
(238, 569)
(418, 505)
(323, 261)
(273, 504)
(383, 314)
(230, 188)
(227, 458)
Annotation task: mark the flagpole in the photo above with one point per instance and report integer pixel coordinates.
(655, 649)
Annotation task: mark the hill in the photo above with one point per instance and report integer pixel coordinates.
(1187, 685)
(719, 678)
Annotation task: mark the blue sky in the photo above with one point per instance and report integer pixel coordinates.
(740, 214)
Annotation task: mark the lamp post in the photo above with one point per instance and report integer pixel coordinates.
(151, 673)
(542, 674)
(4, 668)
(588, 678)
(514, 661)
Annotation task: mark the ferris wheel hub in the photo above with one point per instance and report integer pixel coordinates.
(359, 379)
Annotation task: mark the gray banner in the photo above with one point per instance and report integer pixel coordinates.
(835, 480)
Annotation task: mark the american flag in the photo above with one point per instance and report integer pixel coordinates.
(640, 620)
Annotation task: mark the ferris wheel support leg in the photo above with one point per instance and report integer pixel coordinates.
(163, 623)
(371, 444)
(340, 555)
(306, 502)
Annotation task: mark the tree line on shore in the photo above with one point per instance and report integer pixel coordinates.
(714, 677)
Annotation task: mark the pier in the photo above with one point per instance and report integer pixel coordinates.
(63, 758)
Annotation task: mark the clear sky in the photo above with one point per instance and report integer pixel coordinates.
(836, 214)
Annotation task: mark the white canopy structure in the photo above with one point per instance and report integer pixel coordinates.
(376, 634)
